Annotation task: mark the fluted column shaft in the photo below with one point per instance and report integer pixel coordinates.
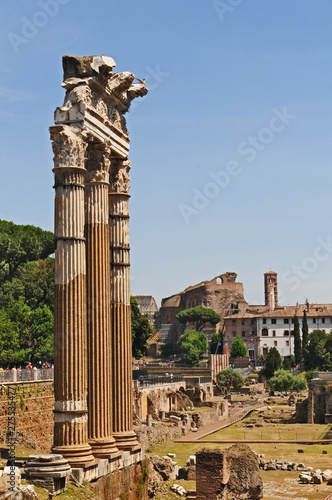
(70, 347)
(98, 304)
(120, 306)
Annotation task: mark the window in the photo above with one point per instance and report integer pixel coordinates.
(243, 334)
(292, 333)
(293, 321)
(264, 321)
(275, 343)
(323, 320)
(234, 334)
(265, 351)
(252, 321)
(273, 333)
(314, 320)
(287, 343)
(243, 322)
(233, 322)
(286, 333)
(265, 332)
(273, 321)
(286, 321)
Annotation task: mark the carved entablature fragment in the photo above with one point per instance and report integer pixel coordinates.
(97, 99)
(119, 176)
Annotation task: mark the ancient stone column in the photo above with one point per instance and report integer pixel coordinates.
(70, 343)
(120, 306)
(311, 405)
(98, 301)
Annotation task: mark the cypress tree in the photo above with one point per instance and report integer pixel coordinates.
(297, 341)
(305, 334)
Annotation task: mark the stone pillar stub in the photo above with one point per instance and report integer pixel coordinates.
(70, 343)
(98, 301)
(120, 305)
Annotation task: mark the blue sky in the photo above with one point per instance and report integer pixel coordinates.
(231, 149)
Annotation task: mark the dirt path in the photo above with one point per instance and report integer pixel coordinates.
(237, 414)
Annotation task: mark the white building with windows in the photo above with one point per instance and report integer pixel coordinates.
(276, 328)
(270, 325)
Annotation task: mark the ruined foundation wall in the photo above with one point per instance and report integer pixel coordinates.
(128, 483)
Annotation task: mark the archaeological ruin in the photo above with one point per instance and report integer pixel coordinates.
(93, 421)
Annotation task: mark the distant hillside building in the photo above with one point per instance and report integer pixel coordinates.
(260, 326)
(147, 305)
(222, 294)
(271, 325)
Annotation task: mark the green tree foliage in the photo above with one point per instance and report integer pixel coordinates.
(297, 341)
(21, 244)
(192, 345)
(286, 364)
(284, 381)
(34, 281)
(215, 337)
(141, 330)
(230, 378)
(25, 334)
(167, 350)
(305, 334)
(272, 362)
(214, 343)
(319, 351)
(198, 316)
(10, 352)
(26, 294)
(238, 348)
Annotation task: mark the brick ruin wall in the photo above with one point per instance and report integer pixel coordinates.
(224, 474)
(34, 415)
(217, 296)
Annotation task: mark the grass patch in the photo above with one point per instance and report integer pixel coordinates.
(272, 431)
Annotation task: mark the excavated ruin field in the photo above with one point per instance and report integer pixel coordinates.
(272, 421)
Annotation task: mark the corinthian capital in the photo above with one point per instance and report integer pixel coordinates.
(98, 162)
(69, 146)
(119, 176)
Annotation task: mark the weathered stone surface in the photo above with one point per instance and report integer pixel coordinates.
(305, 478)
(26, 493)
(317, 478)
(89, 133)
(163, 466)
(232, 473)
(327, 474)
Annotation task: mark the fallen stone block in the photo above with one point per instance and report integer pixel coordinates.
(182, 473)
(305, 478)
(317, 478)
(26, 492)
(327, 474)
(174, 418)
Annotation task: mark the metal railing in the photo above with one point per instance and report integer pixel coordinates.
(26, 375)
(150, 380)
